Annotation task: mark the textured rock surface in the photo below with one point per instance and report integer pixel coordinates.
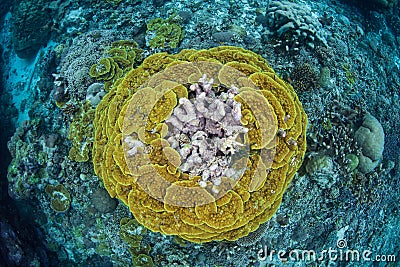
(295, 25)
(371, 138)
(32, 27)
(102, 201)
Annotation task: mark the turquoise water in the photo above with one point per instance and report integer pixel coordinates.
(321, 193)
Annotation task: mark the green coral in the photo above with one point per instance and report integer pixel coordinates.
(131, 232)
(327, 124)
(351, 162)
(81, 134)
(103, 249)
(350, 74)
(165, 32)
(28, 165)
(123, 55)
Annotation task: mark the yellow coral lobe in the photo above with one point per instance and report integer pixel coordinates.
(228, 77)
(182, 73)
(243, 67)
(173, 158)
(138, 109)
(163, 107)
(187, 194)
(139, 163)
(259, 176)
(261, 113)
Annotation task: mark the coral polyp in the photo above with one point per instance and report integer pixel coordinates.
(193, 142)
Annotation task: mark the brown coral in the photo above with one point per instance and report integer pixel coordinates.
(139, 166)
(304, 77)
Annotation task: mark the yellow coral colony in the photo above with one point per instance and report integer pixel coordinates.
(147, 155)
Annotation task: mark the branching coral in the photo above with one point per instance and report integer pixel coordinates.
(87, 49)
(304, 77)
(166, 131)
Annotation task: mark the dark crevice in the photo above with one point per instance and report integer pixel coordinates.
(21, 240)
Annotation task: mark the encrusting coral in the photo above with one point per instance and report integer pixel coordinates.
(371, 138)
(81, 133)
(200, 144)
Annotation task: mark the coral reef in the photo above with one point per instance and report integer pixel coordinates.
(28, 163)
(359, 73)
(81, 133)
(76, 60)
(140, 167)
(124, 55)
(164, 33)
(294, 25)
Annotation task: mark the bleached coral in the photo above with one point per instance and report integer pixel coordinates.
(206, 131)
(133, 145)
(95, 93)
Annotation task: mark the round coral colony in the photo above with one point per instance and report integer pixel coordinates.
(201, 144)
